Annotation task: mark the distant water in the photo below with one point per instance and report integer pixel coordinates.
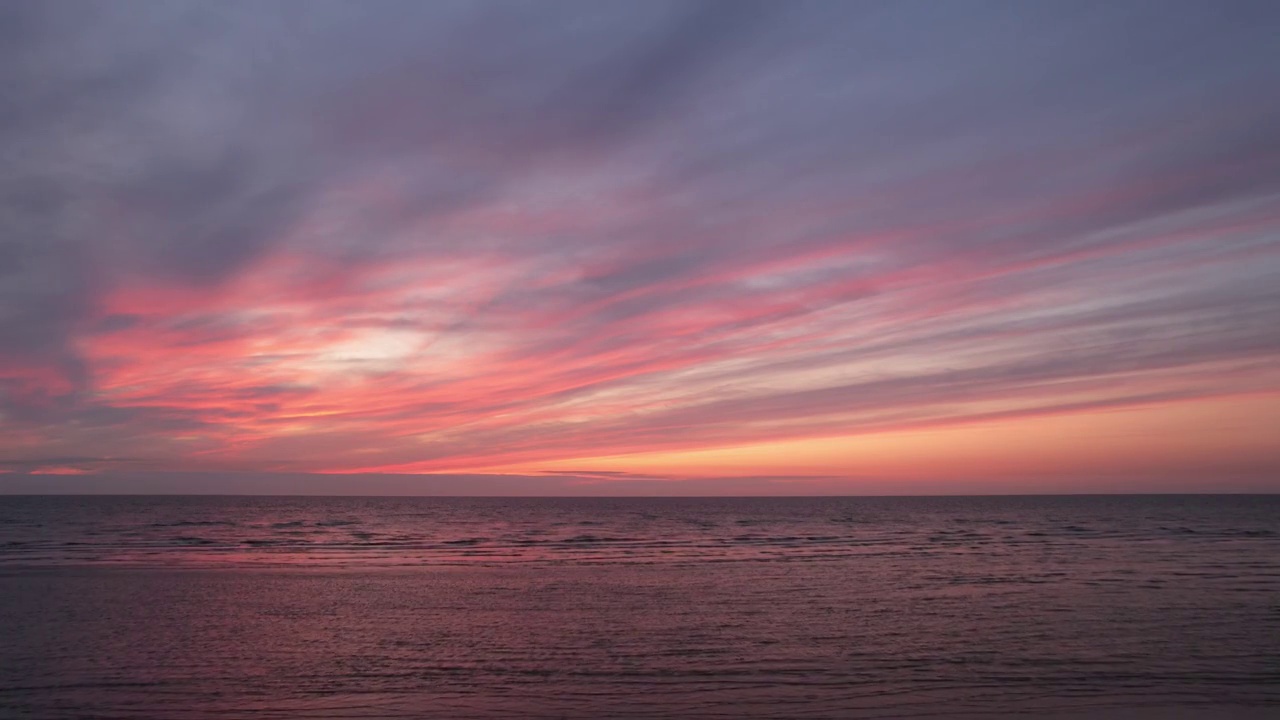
(1070, 607)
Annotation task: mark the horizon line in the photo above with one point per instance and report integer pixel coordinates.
(645, 497)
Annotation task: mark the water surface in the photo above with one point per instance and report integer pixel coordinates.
(174, 608)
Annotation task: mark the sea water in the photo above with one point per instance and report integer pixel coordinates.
(175, 608)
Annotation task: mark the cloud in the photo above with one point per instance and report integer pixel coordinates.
(434, 235)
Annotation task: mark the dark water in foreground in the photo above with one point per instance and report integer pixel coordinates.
(177, 608)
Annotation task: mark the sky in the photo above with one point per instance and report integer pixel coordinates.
(725, 247)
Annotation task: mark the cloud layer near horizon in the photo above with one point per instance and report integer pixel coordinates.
(419, 237)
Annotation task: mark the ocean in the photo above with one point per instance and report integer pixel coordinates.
(177, 608)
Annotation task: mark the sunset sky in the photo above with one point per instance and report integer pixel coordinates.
(641, 247)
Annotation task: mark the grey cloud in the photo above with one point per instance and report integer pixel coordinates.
(445, 484)
(114, 323)
(56, 461)
(264, 392)
(140, 419)
(94, 137)
(180, 140)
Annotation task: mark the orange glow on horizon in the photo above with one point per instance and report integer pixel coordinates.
(1197, 435)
